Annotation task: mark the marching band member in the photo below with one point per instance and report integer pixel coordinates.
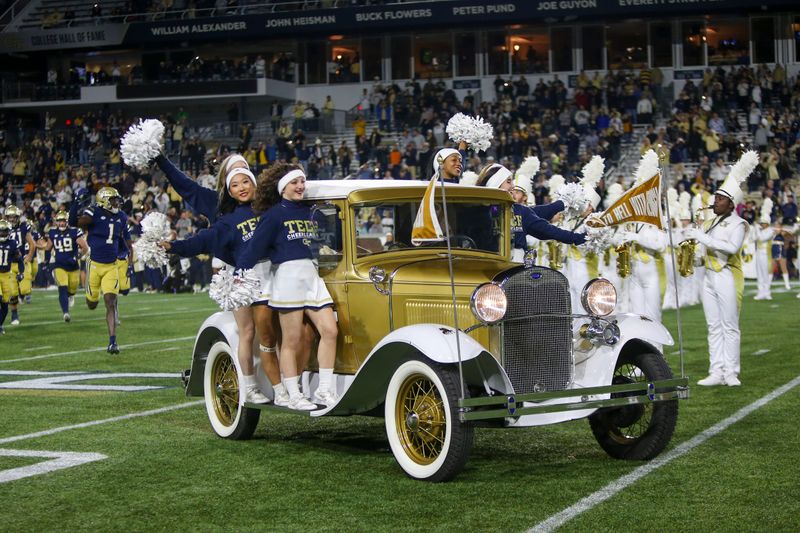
(762, 235)
(723, 237)
(648, 243)
(553, 250)
(687, 295)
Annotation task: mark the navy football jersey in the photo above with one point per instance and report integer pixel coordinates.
(103, 233)
(65, 247)
(8, 254)
(20, 235)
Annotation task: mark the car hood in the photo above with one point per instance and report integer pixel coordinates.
(433, 269)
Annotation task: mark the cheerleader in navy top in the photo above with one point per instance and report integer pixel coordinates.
(526, 221)
(226, 239)
(285, 232)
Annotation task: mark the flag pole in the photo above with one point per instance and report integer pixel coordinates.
(662, 155)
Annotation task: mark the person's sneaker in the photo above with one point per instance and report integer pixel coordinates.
(71, 301)
(254, 395)
(299, 403)
(711, 381)
(2, 330)
(113, 348)
(281, 398)
(325, 397)
(28, 299)
(759, 298)
(67, 318)
(732, 381)
(15, 321)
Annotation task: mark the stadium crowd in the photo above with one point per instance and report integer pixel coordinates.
(43, 167)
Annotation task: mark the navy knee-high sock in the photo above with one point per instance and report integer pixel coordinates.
(3, 312)
(63, 299)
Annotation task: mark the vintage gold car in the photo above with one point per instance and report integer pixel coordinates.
(441, 343)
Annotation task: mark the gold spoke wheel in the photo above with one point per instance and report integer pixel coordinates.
(421, 419)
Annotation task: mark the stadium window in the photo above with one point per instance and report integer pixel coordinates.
(344, 61)
(401, 54)
(497, 52)
(561, 48)
(592, 45)
(763, 32)
(728, 42)
(433, 55)
(693, 39)
(661, 44)
(530, 51)
(626, 45)
(466, 48)
(372, 57)
(315, 62)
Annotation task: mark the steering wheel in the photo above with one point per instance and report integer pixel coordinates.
(462, 241)
(396, 245)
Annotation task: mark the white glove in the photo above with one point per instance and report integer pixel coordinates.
(627, 236)
(694, 233)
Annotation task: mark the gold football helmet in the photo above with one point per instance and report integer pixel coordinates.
(62, 219)
(109, 199)
(5, 230)
(13, 214)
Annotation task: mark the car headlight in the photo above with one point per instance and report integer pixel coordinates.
(489, 303)
(599, 297)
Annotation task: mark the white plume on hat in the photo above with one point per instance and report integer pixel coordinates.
(468, 178)
(592, 172)
(766, 211)
(732, 186)
(613, 193)
(524, 177)
(648, 167)
(555, 182)
(672, 201)
(685, 213)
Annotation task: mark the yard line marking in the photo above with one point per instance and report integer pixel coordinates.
(37, 348)
(74, 381)
(166, 349)
(122, 317)
(37, 373)
(91, 423)
(615, 487)
(86, 350)
(58, 461)
(762, 351)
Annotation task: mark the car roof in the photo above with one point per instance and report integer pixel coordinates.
(330, 189)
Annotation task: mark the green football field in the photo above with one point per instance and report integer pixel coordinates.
(142, 457)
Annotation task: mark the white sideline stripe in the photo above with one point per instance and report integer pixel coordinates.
(183, 311)
(617, 486)
(129, 416)
(87, 350)
(58, 461)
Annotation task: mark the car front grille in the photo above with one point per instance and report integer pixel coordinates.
(537, 351)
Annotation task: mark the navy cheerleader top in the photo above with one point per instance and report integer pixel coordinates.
(226, 239)
(284, 233)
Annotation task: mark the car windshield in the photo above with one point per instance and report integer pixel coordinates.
(387, 226)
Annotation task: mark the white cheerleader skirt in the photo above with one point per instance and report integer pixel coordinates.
(297, 285)
(263, 270)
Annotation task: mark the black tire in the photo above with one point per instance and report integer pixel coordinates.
(224, 398)
(640, 431)
(421, 411)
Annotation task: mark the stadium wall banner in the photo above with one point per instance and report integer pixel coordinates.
(60, 38)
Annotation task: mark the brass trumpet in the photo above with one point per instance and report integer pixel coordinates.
(624, 258)
(687, 250)
(556, 255)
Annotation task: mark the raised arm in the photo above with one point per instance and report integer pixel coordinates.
(201, 200)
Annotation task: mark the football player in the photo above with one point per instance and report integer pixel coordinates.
(68, 244)
(103, 224)
(9, 253)
(22, 234)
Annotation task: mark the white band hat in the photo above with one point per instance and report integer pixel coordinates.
(236, 171)
(499, 177)
(288, 177)
(233, 159)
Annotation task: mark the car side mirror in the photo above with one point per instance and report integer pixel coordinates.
(378, 277)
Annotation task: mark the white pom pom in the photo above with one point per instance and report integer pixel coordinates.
(474, 131)
(142, 143)
(648, 167)
(156, 227)
(574, 197)
(150, 253)
(233, 290)
(468, 178)
(598, 240)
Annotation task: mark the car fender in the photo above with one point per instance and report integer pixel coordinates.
(435, 342)
(219, 326)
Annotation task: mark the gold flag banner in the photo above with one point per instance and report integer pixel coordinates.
(426, 225)
(640, 204)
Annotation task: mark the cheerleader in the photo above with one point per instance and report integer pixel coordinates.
(226, 239)
(763, 234)
(285, 232)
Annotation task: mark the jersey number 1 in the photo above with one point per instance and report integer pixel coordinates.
(110, 239)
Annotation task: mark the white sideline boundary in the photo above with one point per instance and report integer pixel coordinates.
(559, 519)
(181, 311)
(87, 350)
(129, 416)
